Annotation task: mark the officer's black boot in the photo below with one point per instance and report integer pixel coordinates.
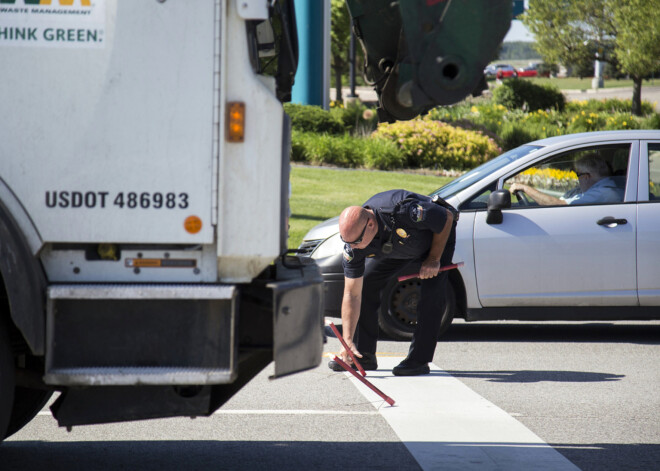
(368, 362)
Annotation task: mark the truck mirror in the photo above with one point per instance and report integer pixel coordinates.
(497, 201)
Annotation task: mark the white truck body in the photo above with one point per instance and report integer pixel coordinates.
(151, 242)
(127, 134)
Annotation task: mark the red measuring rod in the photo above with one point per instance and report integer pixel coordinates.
(385, 397)
(350, 352)
(445, 268)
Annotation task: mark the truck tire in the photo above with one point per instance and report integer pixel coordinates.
(398, 310)
(27, 404)
(7, 379)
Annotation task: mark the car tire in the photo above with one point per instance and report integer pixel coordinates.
(7, 380)
(398, 311)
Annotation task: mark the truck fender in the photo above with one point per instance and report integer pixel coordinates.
(23, 277)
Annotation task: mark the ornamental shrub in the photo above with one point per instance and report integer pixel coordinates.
(608, 105)
(382, 154)
(651, 122)
(433, 144)
(515, 134)
(309, 118)
(523, 94)
(356, 117)
(584, 122)
(327, 149)
(345, 151)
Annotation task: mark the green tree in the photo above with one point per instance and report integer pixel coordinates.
(638, 42)
(616, 32)
(569, 31)
(340, 36)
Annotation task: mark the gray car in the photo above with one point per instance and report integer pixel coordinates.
(524, 260)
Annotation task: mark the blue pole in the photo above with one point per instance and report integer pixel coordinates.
(308, 88)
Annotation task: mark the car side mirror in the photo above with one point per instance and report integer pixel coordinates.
(497, 201)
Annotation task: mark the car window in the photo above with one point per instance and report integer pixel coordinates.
(654, 172)
(595, 175)
(480, 200)
(483, 171)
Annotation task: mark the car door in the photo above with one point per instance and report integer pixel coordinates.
(561, 255)
(648, 230)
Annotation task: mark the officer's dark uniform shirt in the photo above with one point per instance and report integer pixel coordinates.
(415, 222)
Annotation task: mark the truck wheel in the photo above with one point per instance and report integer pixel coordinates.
(7, 380)
(27, 404)
(398, 310)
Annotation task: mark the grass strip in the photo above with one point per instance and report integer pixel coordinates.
(318, 194)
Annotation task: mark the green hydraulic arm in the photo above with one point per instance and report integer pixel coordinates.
(425, 53)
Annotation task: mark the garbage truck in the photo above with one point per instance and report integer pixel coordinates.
(144, 183)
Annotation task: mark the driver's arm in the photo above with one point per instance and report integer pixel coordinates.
(538, 196)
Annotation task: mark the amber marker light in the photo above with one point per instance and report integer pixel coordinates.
(192, 224)
(235, 121)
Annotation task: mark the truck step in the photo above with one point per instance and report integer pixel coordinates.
(113, 335)
(134, 376)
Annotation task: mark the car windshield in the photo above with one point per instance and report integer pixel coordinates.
(462, 182)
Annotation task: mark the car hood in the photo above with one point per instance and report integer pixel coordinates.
(324, 230)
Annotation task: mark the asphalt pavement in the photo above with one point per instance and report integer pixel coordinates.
(501, 395)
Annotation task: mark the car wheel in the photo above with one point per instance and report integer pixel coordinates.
(7, 380)
(398, 310)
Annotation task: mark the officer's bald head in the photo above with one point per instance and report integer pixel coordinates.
(352, 222)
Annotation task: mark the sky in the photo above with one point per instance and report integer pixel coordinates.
(518, 32)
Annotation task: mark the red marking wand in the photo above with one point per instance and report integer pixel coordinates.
(445, 268)
(385, 397)
(350, 352)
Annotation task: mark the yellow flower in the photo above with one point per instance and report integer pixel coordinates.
(589, 121)
(583, 113)
(624, 123)
(474, 109)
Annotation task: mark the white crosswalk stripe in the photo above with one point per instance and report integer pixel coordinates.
(445, 425)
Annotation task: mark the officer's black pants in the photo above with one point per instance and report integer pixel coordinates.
(429, 308)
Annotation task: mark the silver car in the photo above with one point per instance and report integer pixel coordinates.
(528, 261)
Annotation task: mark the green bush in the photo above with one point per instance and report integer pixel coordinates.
(308, 118)
(608, 105)
(514, 134)
(332, 150)
(433, 144)
(382, 154)
(523, 94)
(651, 122)
(345, 151)
(357, 118)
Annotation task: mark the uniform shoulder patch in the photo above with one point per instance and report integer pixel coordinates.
(417, 213)
(348, 253)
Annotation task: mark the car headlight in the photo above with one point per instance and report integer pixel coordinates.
(333, 245)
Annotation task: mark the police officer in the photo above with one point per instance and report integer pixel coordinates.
(398, 229)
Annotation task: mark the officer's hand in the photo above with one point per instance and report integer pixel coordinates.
(343, 354)
(430, 268)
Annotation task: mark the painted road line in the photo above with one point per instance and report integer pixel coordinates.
(445, 425)
(275, 412)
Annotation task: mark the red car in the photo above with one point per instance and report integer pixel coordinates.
(528, 72)
(505, 71)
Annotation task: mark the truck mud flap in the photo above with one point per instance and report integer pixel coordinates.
(297, 316)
